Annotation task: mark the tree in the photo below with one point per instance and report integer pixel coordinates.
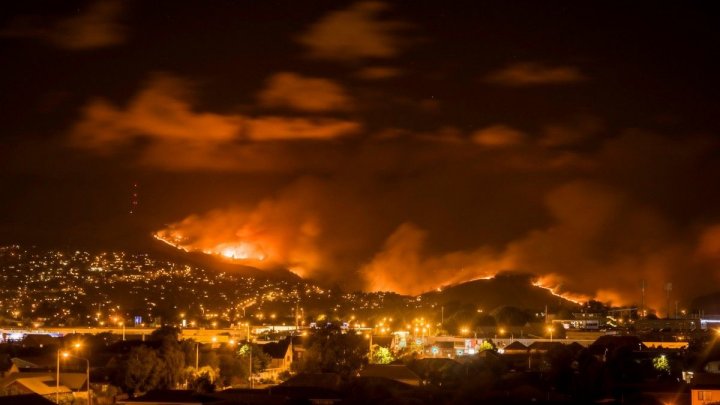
(203, 379)
(233, 368)
(330, 350)
(260, 359)
(661, 364)
(143, 370)
(485, 345)
(382, 355)
(174, 357)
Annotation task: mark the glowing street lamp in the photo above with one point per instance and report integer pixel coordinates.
(65, 355)
(550, 330)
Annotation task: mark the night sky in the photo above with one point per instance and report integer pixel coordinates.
(395, 146)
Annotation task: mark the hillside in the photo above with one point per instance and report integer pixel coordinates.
(507, 289)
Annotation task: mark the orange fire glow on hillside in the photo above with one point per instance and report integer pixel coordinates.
(548, 283)
(242, 252)
(252, 254)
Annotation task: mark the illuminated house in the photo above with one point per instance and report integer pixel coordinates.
(281, 357)
(705, 389)
(43, 384)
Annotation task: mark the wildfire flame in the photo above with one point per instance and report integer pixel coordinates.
(548, 283)
(243, 252)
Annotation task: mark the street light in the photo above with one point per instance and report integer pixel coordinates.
(57, 379)
(550, 329)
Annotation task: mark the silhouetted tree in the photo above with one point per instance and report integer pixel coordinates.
(233, 368)
(172, 354)
(329, 350)
(144, 370)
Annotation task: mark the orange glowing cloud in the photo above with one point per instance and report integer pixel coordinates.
(378, 72)
(534, 74)
(353, 33)
(304, 93)
(498, 136)
(179, 137)
(160, 112)
(284, 128)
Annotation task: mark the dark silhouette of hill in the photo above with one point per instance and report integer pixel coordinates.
(505, 289)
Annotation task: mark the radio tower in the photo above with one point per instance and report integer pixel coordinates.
(134, 199)
(642, 301)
